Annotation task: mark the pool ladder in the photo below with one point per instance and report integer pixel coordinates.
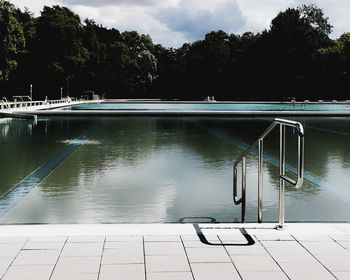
(282, 123)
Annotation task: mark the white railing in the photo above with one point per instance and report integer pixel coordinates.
(5, 105)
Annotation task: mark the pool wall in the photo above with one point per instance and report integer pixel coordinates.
(197, 108)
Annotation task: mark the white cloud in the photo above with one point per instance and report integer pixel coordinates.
(95, 3)
(195, 21)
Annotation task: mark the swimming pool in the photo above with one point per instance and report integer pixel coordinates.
(162, 169)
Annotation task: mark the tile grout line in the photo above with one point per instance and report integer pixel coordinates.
(103, 250)
(314, 256)
(53, 270)
(144, 256)
(188, 260)
(15, 256)
(239, 274)
(336, 241)
(285, 273)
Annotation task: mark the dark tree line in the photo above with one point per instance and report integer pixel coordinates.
(293, 58)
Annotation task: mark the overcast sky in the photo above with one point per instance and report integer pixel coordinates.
(174, 22)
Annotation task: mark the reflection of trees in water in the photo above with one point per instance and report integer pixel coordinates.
(25, 146)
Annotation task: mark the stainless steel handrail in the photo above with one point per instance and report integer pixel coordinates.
(282, 168)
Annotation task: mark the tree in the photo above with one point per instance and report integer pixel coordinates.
(59, 48)
(12, 40)
(318, 23)
(288, 49)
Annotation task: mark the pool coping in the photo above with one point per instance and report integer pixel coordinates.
(168, 229)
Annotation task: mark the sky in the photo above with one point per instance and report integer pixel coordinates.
(174, 22)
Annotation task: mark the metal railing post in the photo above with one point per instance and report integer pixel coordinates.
(260, 180)
(244, 186)
(282, 173)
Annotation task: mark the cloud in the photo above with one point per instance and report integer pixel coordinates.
(195, 20)
(132, 18)
(99, 3)
(35, 6)
(174, 22)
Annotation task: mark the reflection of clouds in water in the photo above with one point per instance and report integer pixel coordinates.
(164, 199)
(80, 142)
(4, 130)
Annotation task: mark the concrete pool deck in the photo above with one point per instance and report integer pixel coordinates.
(175, 251)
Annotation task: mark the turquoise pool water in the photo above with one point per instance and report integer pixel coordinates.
(214, 106)
(162, 169)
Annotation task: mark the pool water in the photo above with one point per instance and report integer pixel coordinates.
(162, 169)
(215, 106)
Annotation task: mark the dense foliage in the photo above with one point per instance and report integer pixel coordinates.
(293, 58)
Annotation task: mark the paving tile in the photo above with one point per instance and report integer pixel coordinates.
(291, 255)
(130, 271)
(255, 263)
(125, 238)
(10, 250)
(274, 236)
(281, 244)
(4, 264)
(263, 275)
(80, 265)
(255, 249)
(302, 271)
(14, 239)
(217, 271)
(167, 263)
(86, 239)
(120, 256)
(194, 237)
(48, 238)
(33, 245)
(325, 248)
(41, 272)
(123, 252)
(169, 276)
(74, 276)
(201, 255)
(312, 237)
(162, 238)
(164, 248)
(342, 275)
(124, 245)
(335, 263)
(37, 257)
(82, 249)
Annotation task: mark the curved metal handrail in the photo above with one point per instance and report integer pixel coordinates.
(283, 178)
